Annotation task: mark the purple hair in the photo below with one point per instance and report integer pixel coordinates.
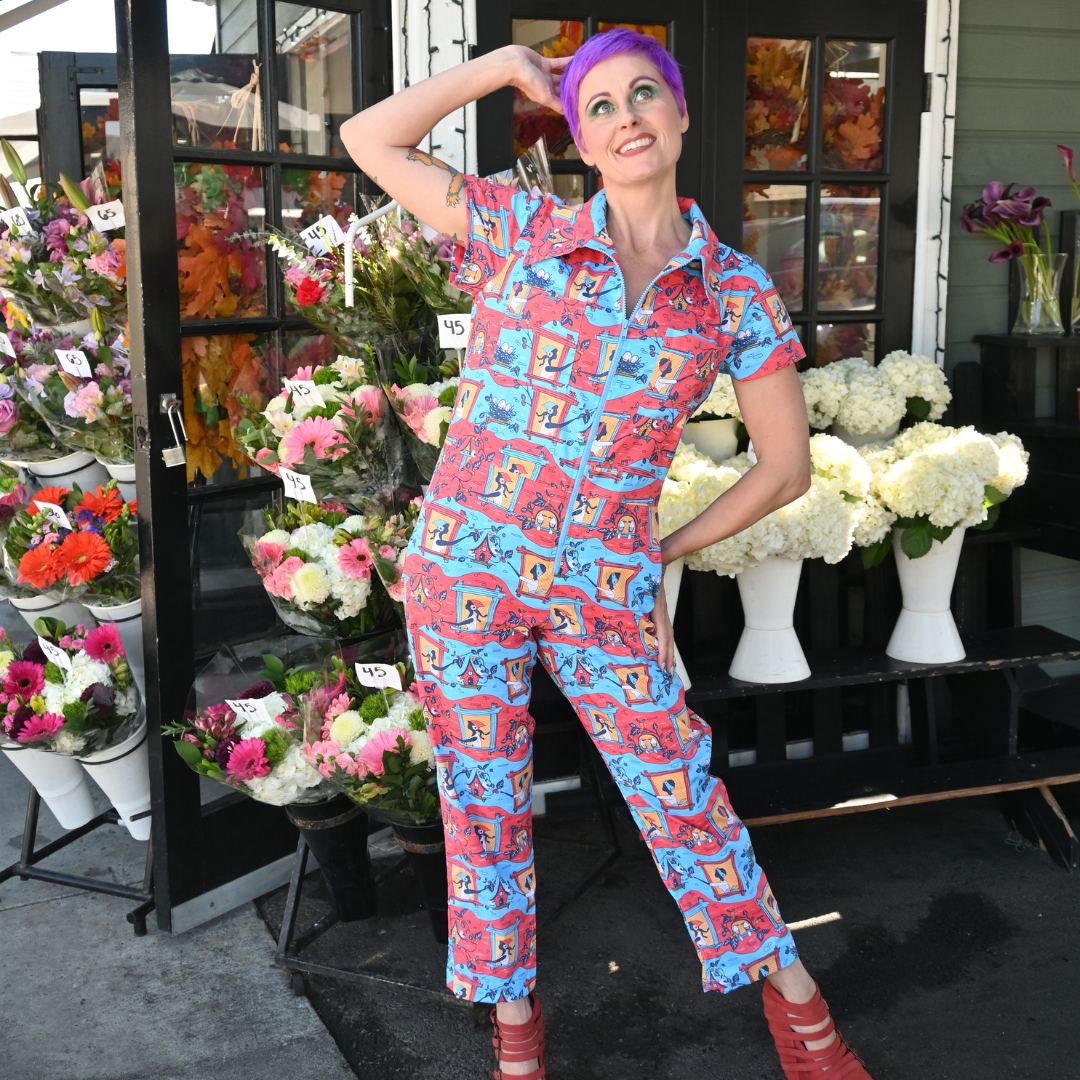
(613, 43)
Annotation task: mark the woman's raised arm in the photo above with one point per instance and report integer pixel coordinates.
(383, 140)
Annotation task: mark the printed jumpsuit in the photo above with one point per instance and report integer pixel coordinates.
(539, 536)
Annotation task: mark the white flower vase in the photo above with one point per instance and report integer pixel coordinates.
(715, 439)
(80, 468)
(769, 649)
(852, 439)
(128, 621)
(925, 633)
(59, 780)
(124, 475)
(672, 582)
(44, 605)
(123, 773)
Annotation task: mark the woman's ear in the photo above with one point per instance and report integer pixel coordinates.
(685, 125)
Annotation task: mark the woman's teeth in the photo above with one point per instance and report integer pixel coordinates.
(636, 145)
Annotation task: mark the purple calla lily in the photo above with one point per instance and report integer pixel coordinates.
(1014, 250)
(1067, 154)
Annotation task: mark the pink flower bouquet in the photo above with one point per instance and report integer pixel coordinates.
(425, 411)
(387, 534)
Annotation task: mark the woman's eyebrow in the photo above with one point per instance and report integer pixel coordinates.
(641, 78)
(603, 93)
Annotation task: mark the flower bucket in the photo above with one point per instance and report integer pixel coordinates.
(925, 633)
(124, 475)
(769, 649)
(123, 773)
(69, 613)
(672, 582)
(336, 831)
(80, 468)
(425, 848)
(128, 621)
(715, 439)
(59, 780)
(852, 439)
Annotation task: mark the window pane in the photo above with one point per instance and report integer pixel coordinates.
(774, 233)
(848, 247)
(648, 29)
(219, 277)
(777, 94)
(315, 70)
(99, 115)
(853, 105)
(570, 187)
(28, 152)
(309, 194)
(549, 37)
(844, 341)
(306, 349)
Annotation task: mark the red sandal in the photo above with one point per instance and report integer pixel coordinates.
(520, 1042)
(797, 1062)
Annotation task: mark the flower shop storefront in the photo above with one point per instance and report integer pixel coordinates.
(208, 307)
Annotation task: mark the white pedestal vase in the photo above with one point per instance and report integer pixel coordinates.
(128, 621)
(925, 633)
(672, 582)
(769, 649)
(123, 773)
(715, 439)
(80, 468)
(60, 781)
(124, 475)
(852, 439)
(43, 605)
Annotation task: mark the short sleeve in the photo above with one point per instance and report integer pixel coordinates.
(764, 340)
(497, 215)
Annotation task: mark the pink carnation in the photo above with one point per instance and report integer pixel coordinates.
(372, 753)
(354, 560)
(279, 581)
(415, 411)
(248, 760)
(372, 399)
(397, 592)
(265, 460)
(336, 707)
(316, 432)
(41, 727)
(104, 644)
(268, 556)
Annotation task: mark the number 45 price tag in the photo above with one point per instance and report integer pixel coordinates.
(454, 331)
(6, 348)
(297, 486)
(383, 676)
(55, 654)
(305, 391)
(251, 709)
(323, 235)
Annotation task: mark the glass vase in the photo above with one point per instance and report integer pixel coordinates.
(1074, 314)
(1040, 289)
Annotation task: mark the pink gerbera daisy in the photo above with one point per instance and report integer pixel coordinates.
(104, 644)
(41, 727)
(354, 559)
(316, 432)
(248, 760)
(372, 754)
(24, 678)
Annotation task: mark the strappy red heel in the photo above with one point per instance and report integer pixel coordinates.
(797, 1062)
(520, 1042)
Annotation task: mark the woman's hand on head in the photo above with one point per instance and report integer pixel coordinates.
(537, 77)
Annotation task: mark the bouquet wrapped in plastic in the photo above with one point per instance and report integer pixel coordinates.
(388, 533)
(425, 410)
(70, 544)
(24, 435)
(242, 727)
(365, 732)
(77, 700)
(316, 565)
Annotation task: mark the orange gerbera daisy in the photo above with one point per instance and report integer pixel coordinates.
(82, 556)
(55, 495)
(38, 567)
(104, 504)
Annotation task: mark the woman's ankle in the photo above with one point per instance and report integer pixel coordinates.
(514, 1012)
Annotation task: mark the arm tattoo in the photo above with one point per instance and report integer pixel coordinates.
(457, 180)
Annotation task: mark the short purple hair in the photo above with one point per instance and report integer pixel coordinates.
(602, 47)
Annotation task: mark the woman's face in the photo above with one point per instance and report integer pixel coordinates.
(630, 123)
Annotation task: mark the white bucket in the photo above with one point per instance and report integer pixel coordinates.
(43, 605)
(124, 475)
(123, 773)
(769, 650)
(80, 468)
(713, 438)
(926, 633)
(852, 439)
(59, 780)
(128, 621)
(672, 582)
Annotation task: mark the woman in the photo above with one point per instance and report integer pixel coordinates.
(597, 331)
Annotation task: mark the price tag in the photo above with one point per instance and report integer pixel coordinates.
(55, 514)
(74, 362)
(384, 676)
(325, 231)
(297, 486)
(107, 216)
(454, 331)
(55, 654)
(305, 391)
(16, 218)
(250, 709)
(6, 347)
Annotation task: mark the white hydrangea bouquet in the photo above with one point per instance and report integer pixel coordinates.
(424, 410)
(721, 401)
(316, 565)
(369, 738)
(819, 525)
(931, 480)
